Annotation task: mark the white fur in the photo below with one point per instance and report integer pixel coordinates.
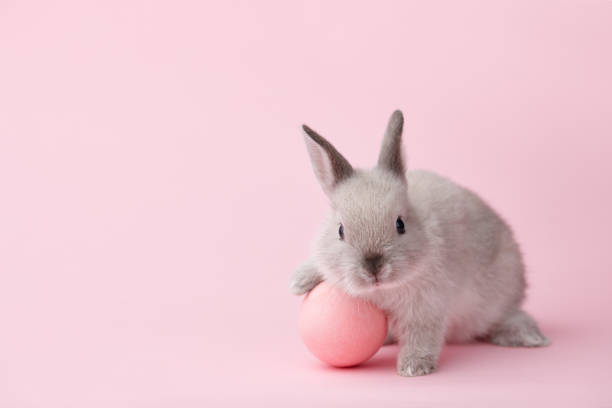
(456, 274)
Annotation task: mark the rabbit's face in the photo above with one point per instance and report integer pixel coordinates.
(372, 240)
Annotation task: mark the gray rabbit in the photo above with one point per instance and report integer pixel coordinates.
(431, 254)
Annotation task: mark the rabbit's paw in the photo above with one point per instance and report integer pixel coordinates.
(304, 279)
(413, 366)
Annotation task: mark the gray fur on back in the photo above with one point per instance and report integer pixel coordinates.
(456, 274)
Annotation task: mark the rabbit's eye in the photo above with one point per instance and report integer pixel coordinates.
(341, 231)
(399, 225)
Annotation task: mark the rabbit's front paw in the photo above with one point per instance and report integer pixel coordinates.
(300, 285)
(304, 279)
(412, 366)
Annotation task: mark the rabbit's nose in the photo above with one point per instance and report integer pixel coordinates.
(373, 263)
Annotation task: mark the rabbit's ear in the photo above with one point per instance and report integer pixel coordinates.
(329, 165)
(390, 157)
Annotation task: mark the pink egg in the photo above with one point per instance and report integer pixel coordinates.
(339, 329)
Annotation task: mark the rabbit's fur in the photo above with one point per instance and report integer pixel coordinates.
(455, 274)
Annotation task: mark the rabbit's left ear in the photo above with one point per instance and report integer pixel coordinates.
(330, 167)
(391, 157)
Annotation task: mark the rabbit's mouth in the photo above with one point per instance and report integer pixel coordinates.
(382, 278)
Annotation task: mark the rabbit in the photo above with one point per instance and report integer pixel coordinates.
(435, 257)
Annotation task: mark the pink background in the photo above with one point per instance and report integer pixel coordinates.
(156, 193)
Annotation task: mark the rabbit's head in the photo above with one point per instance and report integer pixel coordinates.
(372, 239)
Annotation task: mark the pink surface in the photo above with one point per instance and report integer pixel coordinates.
(339, 329)
(156, 193)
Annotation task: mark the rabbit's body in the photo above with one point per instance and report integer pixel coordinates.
(432, 254)
(475, 273)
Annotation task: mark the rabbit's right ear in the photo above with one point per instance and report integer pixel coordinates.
(328, 164)
(390, 157)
